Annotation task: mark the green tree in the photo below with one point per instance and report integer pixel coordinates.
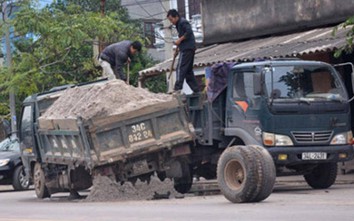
(348, 47)
(54, 46)
(94, 6)
(60, 50)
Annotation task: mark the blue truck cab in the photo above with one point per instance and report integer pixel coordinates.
(298, 110)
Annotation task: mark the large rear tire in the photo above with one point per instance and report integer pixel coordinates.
(323, 176)
(246, 174)
(39, 182)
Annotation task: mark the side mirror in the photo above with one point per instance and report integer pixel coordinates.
(257, 83)
(352, 72)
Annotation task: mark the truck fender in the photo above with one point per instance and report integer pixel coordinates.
(243, 135)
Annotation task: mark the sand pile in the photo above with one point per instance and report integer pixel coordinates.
(102, 99)
(105, 189)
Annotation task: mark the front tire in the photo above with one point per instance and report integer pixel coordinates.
(19, 180)
(243, 171)
(323, 176)
(39, 182)
(267, 180)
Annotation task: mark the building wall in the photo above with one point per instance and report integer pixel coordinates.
(241, 19)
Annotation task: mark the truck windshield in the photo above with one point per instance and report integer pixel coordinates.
(303, 83)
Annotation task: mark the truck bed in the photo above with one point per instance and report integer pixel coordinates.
(100, 141)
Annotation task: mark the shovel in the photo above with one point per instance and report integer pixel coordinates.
(173, 63)
(128, 72)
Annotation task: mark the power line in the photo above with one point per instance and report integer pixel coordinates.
(157, 35)
(149, 16)
(145, 2)
(163, 6)
(143, 8)
(149, 2)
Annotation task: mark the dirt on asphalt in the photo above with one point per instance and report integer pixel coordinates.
(105, 189)
(101, 100)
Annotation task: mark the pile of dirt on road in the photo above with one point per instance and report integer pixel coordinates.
(105, 189)
(102, 99)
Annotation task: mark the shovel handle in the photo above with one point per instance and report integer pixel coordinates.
(128, 73)
(173, 63)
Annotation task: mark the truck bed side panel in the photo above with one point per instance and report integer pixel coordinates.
(101, 141)
(117, 140)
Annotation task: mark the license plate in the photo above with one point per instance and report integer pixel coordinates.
(139, 132)
(314, 156)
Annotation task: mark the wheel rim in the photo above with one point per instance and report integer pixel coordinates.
(37, 180)
(23, 181)
(234, 174)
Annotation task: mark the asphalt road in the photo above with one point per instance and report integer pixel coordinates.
(291, 200)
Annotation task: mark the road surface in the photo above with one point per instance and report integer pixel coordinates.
(291, 200)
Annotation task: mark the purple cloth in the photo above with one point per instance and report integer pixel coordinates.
(218, 79)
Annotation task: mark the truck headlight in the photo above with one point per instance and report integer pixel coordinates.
(4, 162)
(270, 139)
(343, 138)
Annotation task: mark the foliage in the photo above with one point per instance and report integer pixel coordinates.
(348, 48)
(140, 62)
(4, 109)
(94, 6)
(54, 46)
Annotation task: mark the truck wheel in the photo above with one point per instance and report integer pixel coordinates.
(184, 184)
(19, 181)
(241, 172)
(323, 176)
(267, 182)
(39, 182)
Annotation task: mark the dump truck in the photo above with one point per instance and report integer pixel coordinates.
(298, 111)
(65, 154)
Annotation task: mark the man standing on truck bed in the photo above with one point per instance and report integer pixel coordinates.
(186, 46)
(115, 56)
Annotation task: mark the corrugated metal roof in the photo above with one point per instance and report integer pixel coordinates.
(290, 45)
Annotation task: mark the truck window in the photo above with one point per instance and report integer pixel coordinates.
(243, 85)
(26, 128)
(305, 82)
(243, 91)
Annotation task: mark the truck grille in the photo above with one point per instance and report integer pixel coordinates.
(312, 137)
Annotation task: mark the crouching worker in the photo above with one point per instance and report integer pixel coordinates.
(114, 56)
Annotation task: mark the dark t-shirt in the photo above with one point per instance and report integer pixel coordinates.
(117, 54)
(185, 29)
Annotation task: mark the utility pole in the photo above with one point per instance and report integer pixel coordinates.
(172, 4)
(186, 4)
(169, 41)
(10, 69)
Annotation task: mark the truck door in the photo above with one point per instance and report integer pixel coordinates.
(27, 136)
(243, 104)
